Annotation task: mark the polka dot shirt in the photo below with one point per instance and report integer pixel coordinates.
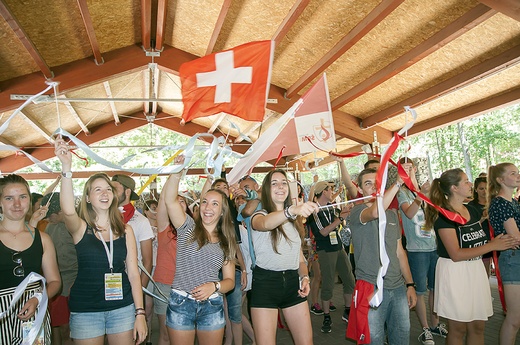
(500, 210)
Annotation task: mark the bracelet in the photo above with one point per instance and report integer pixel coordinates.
(288, 215)
(305, 277)
(140, 313)
(244, 271)
(398, 184)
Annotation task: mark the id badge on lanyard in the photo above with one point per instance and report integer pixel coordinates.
(113, 281)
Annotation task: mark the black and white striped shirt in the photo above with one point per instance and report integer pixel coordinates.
(195, 266)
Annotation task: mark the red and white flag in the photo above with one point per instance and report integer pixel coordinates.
(310, 117)
(234, 81)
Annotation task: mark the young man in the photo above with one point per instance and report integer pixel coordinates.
(398, 288)
(125, 186)
(331, 256)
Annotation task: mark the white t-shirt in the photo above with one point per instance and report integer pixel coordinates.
(142, 230)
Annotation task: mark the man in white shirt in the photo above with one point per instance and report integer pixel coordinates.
(125, 186)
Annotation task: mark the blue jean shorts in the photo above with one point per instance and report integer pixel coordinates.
(234, 300)
(509, 266)
(86, 325)
(186, 314)
(422, 266)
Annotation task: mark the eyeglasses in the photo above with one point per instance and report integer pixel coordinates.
(18, 271)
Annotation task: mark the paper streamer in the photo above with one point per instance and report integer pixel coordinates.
(42, 307)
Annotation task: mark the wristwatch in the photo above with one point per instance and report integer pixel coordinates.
(67, 174)
(217, 286)
(410, 285)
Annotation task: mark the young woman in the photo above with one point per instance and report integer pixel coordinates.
(462, 292)
(280, 277)
(166, 259)
(23, 249)
(204, 247)
(106, 298)
(504, 215)
(479, 202)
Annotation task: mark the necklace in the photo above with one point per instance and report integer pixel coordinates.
(14, 235)
(103, 228)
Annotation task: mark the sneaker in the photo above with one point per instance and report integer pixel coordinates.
(326, 327)
(440, 330)
(344, 317)
(426, 337)
(316, 309)
(332, 307)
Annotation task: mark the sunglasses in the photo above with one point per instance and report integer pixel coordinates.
(18, 271)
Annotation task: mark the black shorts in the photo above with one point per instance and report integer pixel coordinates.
(275, 289)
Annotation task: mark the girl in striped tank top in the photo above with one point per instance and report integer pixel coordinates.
(204, 247)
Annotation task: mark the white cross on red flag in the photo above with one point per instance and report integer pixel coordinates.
(234, 81)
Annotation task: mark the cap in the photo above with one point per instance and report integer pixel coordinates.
(321, 185)
(127, 182)
(54, 205)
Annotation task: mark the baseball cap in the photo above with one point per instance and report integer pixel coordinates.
(321, 185)
(54, 205)
(127, 182)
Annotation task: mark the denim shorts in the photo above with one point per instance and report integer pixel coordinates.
(509, 266)
(422, 266)
(275, 289)
(186, 314)
(86, 325)
(234, 300)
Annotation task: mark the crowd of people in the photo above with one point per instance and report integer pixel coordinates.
(245, 259)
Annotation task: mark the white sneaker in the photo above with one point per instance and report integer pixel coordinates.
(426, 337)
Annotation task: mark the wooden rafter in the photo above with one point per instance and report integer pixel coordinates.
(218, 26)
(76, 117)
(107, 130)
(379, 13)
(89, 27)
(161, 24)
(510, 8)
(217, 122)
(466, 22)
(38, 127)
(108, 90)
(146, 23)
(476, 73)
(6, 141)
(493, 103)
(289, 20)
(13, 23)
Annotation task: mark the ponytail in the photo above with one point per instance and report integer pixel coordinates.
(440, 193)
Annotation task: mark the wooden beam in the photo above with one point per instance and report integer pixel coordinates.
(162, 6)
(289, 20)
(146, 23)
(510, 8)
(375, 17)
(89, 27)
(218, 26)
(493, 103)
(475, 73)
(38, 127)
(82, 73)
(108, 90)
(466, 22)
(76, 117)
(11, 20)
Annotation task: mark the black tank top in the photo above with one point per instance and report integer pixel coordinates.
(30, 259)
(88, 291)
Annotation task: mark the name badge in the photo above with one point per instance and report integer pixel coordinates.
(113, 286)
(333, 237)
(426, 233)
(26, 328)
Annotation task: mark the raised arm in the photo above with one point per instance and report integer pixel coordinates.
(170, 192)
(371, 213)
(270, 221)
(345, 178)
(74, 223)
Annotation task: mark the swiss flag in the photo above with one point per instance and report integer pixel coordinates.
(234, 81)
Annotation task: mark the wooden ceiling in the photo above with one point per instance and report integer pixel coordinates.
(449, 59)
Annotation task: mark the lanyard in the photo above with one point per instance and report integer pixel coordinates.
(110, 253)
